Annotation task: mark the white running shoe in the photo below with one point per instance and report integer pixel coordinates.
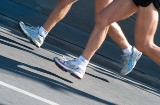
(130, 61)
(70, 65)
(32, 33)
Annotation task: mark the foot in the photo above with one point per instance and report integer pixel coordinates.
(32, 33)
(130, 61)
(71, 66)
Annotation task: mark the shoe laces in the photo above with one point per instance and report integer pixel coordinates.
(66, 58)
(32, 27)
(70, 61)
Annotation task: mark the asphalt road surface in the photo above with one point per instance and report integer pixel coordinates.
(29, 76)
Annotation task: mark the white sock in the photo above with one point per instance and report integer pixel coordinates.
(82, 61)
(127, 51)
(43, 32)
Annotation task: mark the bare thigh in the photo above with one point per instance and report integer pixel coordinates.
(117, 10)
(101, 4)
(146, 25)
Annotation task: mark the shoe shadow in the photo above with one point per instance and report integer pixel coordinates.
(6, 41)
(12, 66)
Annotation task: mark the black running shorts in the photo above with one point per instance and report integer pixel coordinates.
(145, 3)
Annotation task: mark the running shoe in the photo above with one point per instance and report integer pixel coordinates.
(70, 65)
(32, 33)
(130, 61)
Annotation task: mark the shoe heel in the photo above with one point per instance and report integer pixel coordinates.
(139, 56)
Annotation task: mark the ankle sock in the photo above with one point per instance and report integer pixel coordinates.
(43, 32)
(127, 51)
(82, 61)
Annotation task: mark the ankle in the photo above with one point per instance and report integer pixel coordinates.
(127, 51)
(81, 61)
(43, 32)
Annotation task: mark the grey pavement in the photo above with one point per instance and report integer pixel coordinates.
(73, 31)
(33, 70)
(29, 76)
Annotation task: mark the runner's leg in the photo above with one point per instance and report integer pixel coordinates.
(58, 13)
(77, 67)
(146, 25)
(114, 31)
(37, 35)
(103, 20)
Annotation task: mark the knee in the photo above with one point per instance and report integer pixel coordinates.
(144, 48)
(100, 20)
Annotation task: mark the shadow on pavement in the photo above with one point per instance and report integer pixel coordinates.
(4, 28)
(4, 39)
(5, 63)
(2, 104)
(10, 40)
(127, 80)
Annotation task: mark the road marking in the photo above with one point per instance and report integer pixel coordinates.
(27, 93)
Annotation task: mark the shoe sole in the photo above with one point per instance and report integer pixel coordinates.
(27, 36)
(63, 69)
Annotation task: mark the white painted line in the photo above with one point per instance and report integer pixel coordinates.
(27, 93)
